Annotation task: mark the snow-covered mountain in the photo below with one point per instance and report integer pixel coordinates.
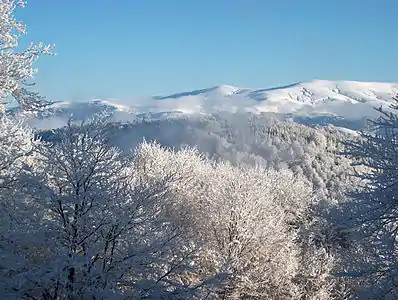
(349, 100)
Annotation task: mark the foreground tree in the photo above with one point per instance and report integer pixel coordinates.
(16, 68)
(374, 206)
(100, 228)
(16, 146)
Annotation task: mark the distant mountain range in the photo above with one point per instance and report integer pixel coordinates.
(314, 100)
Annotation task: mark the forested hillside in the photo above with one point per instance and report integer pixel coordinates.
(246, 139)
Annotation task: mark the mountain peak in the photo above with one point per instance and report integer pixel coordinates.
(225, 90)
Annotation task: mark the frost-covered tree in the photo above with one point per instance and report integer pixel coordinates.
(16, 143)
(248, 228)
(16, 146)
(373, 207)
(101, 227)
(248, 225)
(16, 68)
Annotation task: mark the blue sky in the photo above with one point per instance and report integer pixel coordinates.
(123, 49)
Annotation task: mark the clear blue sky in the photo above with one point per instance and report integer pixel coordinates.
(122, 49)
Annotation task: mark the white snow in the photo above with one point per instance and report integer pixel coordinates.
(346, 130)
(346, 99)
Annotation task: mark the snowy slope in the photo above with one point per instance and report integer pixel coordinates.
(345, 99)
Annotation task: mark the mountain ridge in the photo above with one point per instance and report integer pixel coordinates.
(343, 99)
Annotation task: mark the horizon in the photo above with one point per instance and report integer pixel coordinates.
(128, 50)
